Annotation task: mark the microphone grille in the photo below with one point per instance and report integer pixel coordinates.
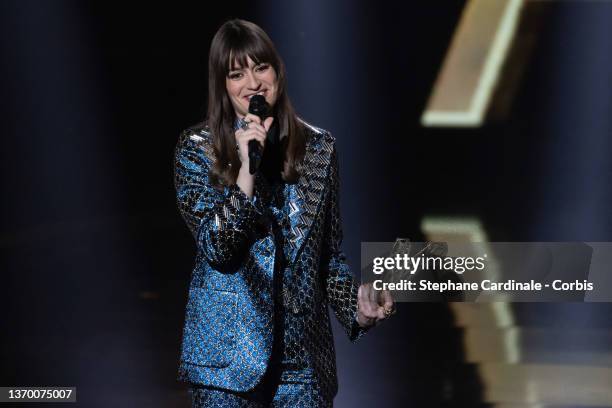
(258, 106)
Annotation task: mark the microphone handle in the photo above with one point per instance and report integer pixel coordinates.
(254, 156)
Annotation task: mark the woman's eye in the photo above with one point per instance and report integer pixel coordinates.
(235, 75)
(262, 67)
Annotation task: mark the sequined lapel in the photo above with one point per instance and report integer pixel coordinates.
(305, 197)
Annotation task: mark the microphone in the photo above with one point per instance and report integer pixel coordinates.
(259, 107)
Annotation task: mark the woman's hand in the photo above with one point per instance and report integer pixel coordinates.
(373, 305)
(256, 130)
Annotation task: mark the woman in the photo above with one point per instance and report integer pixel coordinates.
(257, 330)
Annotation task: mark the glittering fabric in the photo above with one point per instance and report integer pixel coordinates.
(286, 395)
(266, 270)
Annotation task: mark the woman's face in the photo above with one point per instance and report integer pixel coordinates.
(244, 82)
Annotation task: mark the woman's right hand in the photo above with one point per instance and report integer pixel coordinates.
(256, 130)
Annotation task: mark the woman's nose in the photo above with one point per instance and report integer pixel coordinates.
(254, 82)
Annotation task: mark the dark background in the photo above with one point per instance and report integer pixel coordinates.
(96, 260)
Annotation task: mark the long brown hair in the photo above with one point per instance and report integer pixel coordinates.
(239, 39)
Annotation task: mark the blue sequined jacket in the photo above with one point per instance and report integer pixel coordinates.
(278, 251)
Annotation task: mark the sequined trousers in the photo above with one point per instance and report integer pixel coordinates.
(300, 395)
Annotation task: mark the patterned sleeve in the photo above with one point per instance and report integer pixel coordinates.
(220, 220)
(341, 285)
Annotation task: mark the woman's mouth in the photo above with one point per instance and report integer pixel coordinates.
(248, 97)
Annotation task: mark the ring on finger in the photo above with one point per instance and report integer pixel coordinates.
(242, 124)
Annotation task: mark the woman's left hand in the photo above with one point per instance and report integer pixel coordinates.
(373, 305)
